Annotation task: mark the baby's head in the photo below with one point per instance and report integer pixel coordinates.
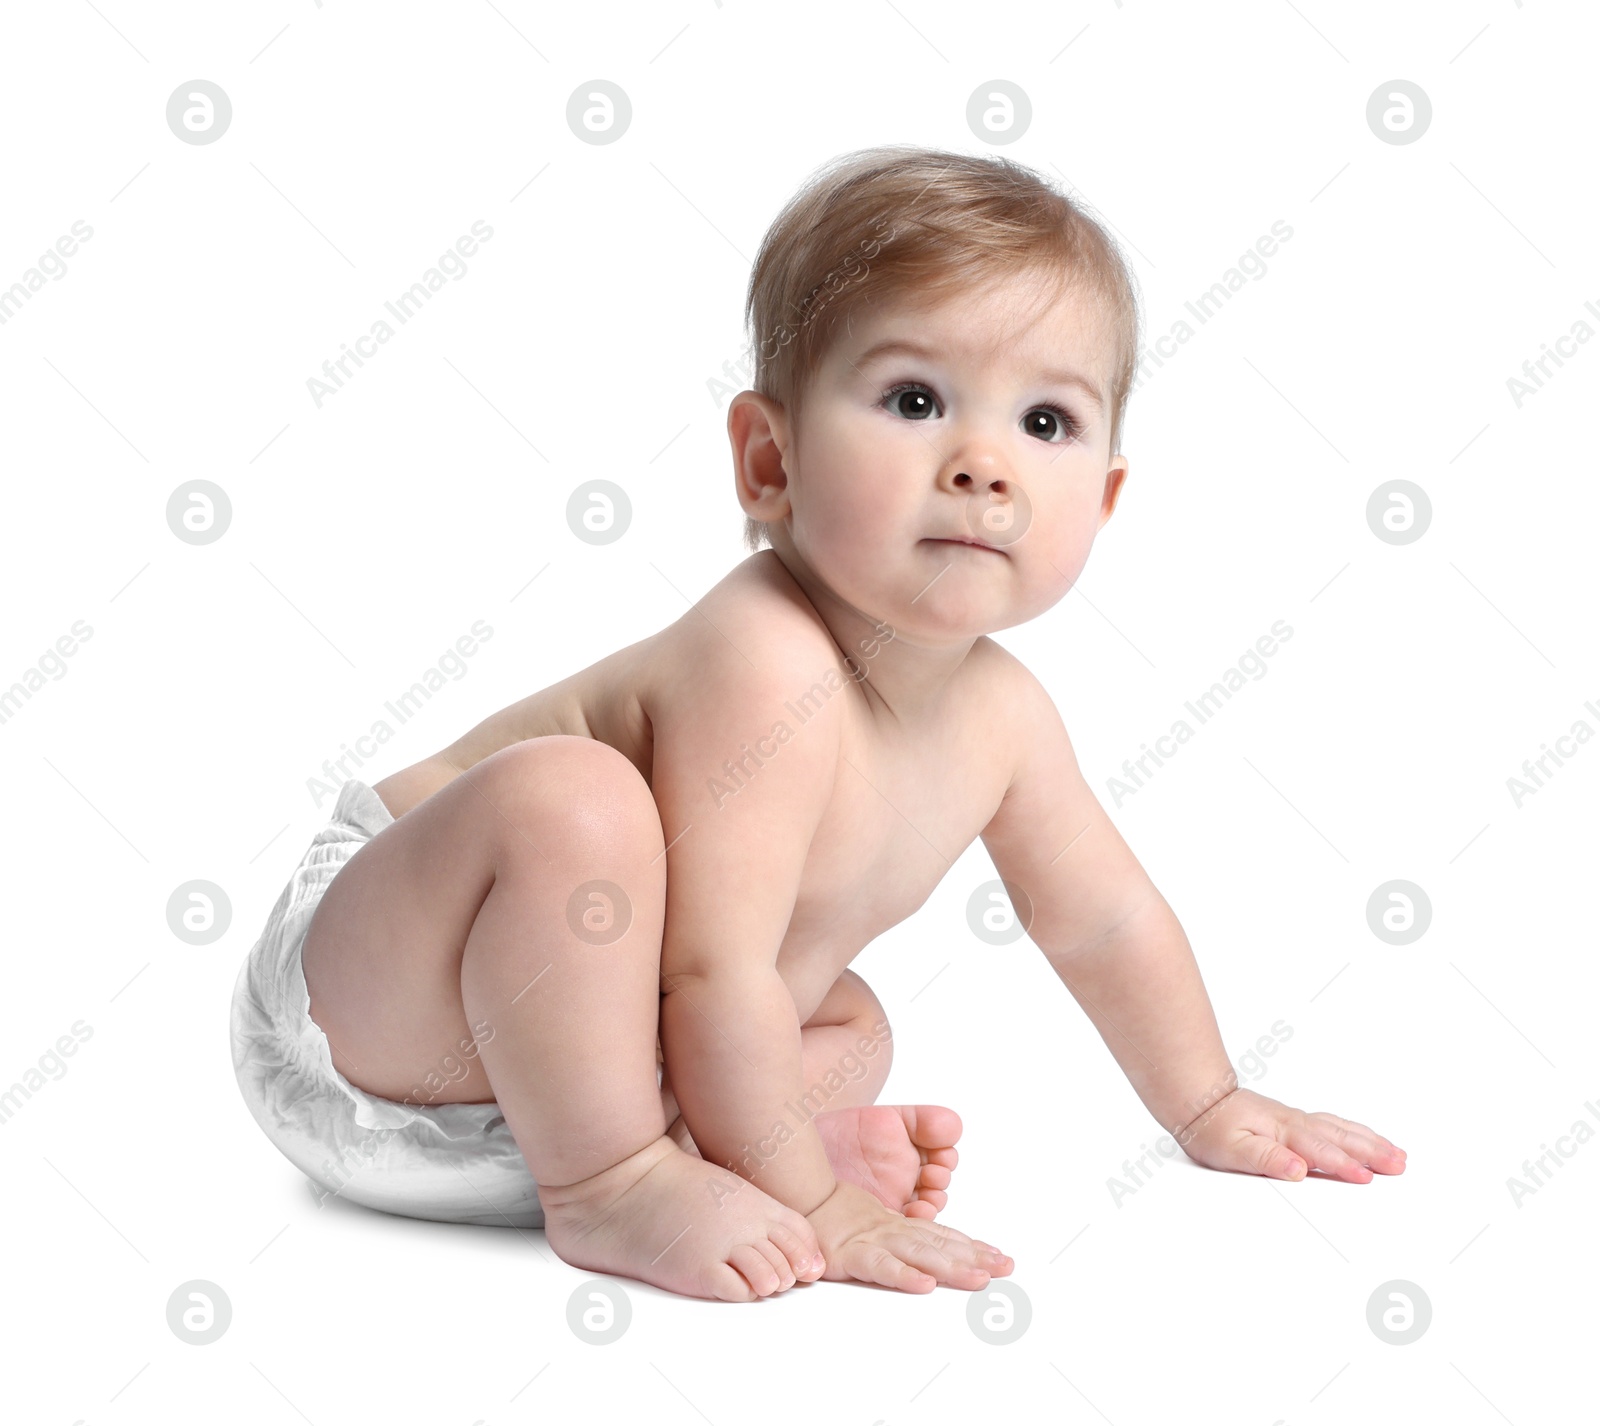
(855, 464)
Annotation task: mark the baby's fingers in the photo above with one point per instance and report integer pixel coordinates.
(1262, 1155)
(872, 1262)
(1361, 1143)
(1306, 1149)
(954, 1260)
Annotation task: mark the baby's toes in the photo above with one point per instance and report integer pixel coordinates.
(933, 1128)
(934, 1176)
(780, 1264)
(929, 1202)
(727, 1284)
(752, 1265)
(801, 1252)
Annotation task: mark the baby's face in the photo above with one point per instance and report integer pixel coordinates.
(983, 435)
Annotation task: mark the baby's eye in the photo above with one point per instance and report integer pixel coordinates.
(1051, 423)
(917, 409)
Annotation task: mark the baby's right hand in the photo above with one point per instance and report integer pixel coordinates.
(861, 1240)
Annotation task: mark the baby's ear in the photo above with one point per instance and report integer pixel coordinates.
(758, 432)
(1116, 478)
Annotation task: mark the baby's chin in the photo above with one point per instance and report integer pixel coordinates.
(931, 617)
(932, 594)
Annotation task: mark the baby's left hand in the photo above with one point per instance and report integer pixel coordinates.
(1249, 1133)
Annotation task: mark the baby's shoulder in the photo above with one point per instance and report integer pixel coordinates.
(1000, 684)
(747, 632)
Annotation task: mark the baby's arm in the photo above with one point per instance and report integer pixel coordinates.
(740, 799)
(1117, 946)
(736, 842)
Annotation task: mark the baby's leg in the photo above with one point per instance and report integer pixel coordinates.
(847, 1037)
(830, 1044)
(903, 1153)
(492, 903)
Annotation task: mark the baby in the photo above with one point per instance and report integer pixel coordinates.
(636, 894)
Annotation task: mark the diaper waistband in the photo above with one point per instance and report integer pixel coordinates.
(359, 806)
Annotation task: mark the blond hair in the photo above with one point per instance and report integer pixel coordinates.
(899, 221)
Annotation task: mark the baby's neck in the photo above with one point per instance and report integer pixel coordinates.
(905, 681)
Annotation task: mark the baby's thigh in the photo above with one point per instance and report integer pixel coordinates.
(382, 955)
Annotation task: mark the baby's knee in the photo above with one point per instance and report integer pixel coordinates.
(586, 797)
(849, 1000)
(874, 1040)
(858, 1011)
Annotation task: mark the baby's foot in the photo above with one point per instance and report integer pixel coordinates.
(672, 1219)
(902, 1154)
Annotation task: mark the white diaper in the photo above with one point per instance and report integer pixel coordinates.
(454, 1163)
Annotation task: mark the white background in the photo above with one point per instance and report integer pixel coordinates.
(368, 535)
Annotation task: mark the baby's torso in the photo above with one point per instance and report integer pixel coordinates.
(904, 808)
(905, 804)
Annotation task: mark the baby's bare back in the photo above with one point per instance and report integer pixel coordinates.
(906, 801)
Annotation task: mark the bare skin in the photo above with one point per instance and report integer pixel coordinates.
(811, 747)
(902, 1154)
(411, 943)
